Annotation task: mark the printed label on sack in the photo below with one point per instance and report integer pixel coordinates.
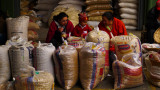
(124, 47)
(133, 72)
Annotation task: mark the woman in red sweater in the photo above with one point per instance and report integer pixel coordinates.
(60, 27)
(82, 29)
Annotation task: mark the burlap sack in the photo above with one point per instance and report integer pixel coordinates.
(18, 26)
(76, 42)
(40, 81)
(97, 12)
(95, 18)
(32, 35)
(128, 16)
(128, 5)
(128, 72)
(33, 26)
(99, 7)
(126, 44)
(130, 22)
(92, 65)
(43, 60)
(20, 59)
(4, 64)
(91, 2)
(129, 11)
(97, 36)
(66, 66)
(153, 68)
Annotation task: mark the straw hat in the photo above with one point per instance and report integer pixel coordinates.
(157, 36)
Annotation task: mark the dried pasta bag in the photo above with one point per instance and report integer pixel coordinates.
(153, 68)
(92, 2)
(43, 60)
(92, 65)
(39, 81)
(18, 26)
(66, 66)
(97, 12)
(77, 42)
(128, 72)
(4, 64)
(20, 59)
(99, 7)
(126, 44)
(98, 36)
(95, 18)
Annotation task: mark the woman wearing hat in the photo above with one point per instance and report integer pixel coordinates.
(82, 29)
(153, 21)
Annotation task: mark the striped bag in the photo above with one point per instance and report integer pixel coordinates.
(128, 72)
(92, 65)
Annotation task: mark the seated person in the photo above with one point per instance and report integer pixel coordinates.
(82, 29)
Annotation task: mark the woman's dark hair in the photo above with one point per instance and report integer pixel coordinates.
(108, 15)
(60, 16)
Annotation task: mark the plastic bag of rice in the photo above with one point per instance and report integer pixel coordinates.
(126, 44)
(66, 66)
(128, 72)
(39, 81)
(92, 65)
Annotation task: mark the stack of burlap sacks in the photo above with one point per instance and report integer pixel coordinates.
(95, 9)
(45, 8)
(129, 13)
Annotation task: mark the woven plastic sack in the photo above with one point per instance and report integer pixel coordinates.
(47, 1)
(130, 22)
(99, 7)
(33, 26)
(42, 13)
(66, 66)
(20, 58)
(95, 18)
(92, 65)
(146, 47)
(43, 60)
(18, 26)
(128, 16)
(128, 72)
(153, 66)
(126, 44)
(97, 12)
(93, 23)
(39, 81)
(128, 1)
(76, 42)
(129, 11)
(4, 64)
(156, 35)
(128, 5)
(91, 2)
(128, 27)
(32, 35)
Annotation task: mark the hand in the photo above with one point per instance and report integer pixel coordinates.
(60, 29)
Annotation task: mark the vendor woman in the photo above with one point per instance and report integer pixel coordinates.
(112, 25)
(60, 27)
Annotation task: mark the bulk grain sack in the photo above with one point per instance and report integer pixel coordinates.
(43, 59)
(99, 7)
(92, 65)
(39, 81)
(20, 60)
(153, 68)
(77, 42)
(18, 26)
(4, 64)
(66, 66)
(91, 2)
(128, 72)
(126, 44)
(98, 36)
